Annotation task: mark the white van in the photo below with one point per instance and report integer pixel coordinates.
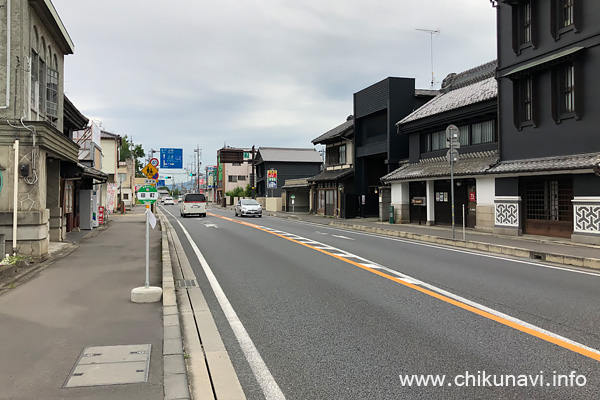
(193, 203)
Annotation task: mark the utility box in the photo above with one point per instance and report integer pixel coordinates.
(391, 214)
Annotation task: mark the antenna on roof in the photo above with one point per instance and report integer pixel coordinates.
(431, 33)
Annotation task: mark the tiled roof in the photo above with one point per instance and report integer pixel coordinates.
(468, 164)
(332, 175)
(461, 97)
(459, 90)
(109, 135)
(579, 161)
(275, 154)
(338, 131)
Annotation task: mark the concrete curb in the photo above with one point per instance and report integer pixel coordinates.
(486, 247)
(176, 385)
(210, 371)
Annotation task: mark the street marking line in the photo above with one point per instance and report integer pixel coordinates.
(447, 248)
(264, 377)
(343, 237)
(455, 300)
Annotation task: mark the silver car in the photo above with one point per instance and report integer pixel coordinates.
(248, 207)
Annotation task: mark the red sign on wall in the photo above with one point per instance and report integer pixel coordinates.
(100, 215)
(471, 196)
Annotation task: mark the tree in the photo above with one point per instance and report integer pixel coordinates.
(237, 192)
(129, 150)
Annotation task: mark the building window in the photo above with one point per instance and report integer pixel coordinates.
(52, 93)
(482, 132)
(568, 89)
(566, 9)
(241, 178)
(463, 135)
(34, 80)
(438, 140)
(565, 92)
(232, 178)
(523, 101)
(342, 153)
(525, 23)
(525, 87)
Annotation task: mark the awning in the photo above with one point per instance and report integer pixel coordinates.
(543, 61)
(92, 173)
(469, 164)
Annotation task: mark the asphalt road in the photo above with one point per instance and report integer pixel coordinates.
(336, 314)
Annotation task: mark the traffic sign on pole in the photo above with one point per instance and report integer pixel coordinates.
(150, 170)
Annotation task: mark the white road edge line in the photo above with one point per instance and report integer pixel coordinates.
(266, 381)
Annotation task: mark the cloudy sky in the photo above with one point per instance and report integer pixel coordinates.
(184, 73)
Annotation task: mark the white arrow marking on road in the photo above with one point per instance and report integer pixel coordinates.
(210, 225)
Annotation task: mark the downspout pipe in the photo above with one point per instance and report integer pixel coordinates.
(8, 35)
(15, 194)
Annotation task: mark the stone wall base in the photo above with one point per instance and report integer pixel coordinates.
(587, 239)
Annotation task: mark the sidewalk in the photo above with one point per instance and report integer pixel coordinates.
(79, 298)
(555, 250)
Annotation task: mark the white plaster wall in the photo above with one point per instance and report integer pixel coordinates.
(400, 193)
(486, 191)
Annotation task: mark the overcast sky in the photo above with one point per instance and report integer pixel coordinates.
(280, 73)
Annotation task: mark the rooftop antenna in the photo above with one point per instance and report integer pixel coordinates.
(431, 33)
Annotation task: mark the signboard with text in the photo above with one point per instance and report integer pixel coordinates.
(272, 179)
(171, 158)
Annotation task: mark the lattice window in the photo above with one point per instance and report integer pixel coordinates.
(549, 200)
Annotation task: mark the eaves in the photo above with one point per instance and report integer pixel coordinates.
(47, 138)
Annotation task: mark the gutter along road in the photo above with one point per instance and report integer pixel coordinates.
(336, 314)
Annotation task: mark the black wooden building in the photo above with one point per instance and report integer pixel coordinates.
(290, 163)
(547, 181)
(377, 147)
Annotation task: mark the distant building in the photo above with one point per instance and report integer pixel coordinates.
(333, 190)
(377, 147)
(290, 163)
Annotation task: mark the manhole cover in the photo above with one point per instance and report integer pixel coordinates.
(110, 365)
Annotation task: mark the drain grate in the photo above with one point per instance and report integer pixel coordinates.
(110, 365)
(184, 283)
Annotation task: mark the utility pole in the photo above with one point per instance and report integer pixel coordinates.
(198, 152)
(252, 177)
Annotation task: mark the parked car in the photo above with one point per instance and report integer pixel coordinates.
(248, 207)
(192, 203)
(168, 201)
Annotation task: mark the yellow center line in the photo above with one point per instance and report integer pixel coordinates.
(467, 307)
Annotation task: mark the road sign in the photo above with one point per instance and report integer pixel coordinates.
(147, 194)
(452, 155)
(171, 158)
(149, 170)
(452, 137)
(154, 161)
(272, 179)
(161, 182)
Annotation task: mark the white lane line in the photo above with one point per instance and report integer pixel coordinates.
(472, 253)
(343, 237)
(266, 381)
